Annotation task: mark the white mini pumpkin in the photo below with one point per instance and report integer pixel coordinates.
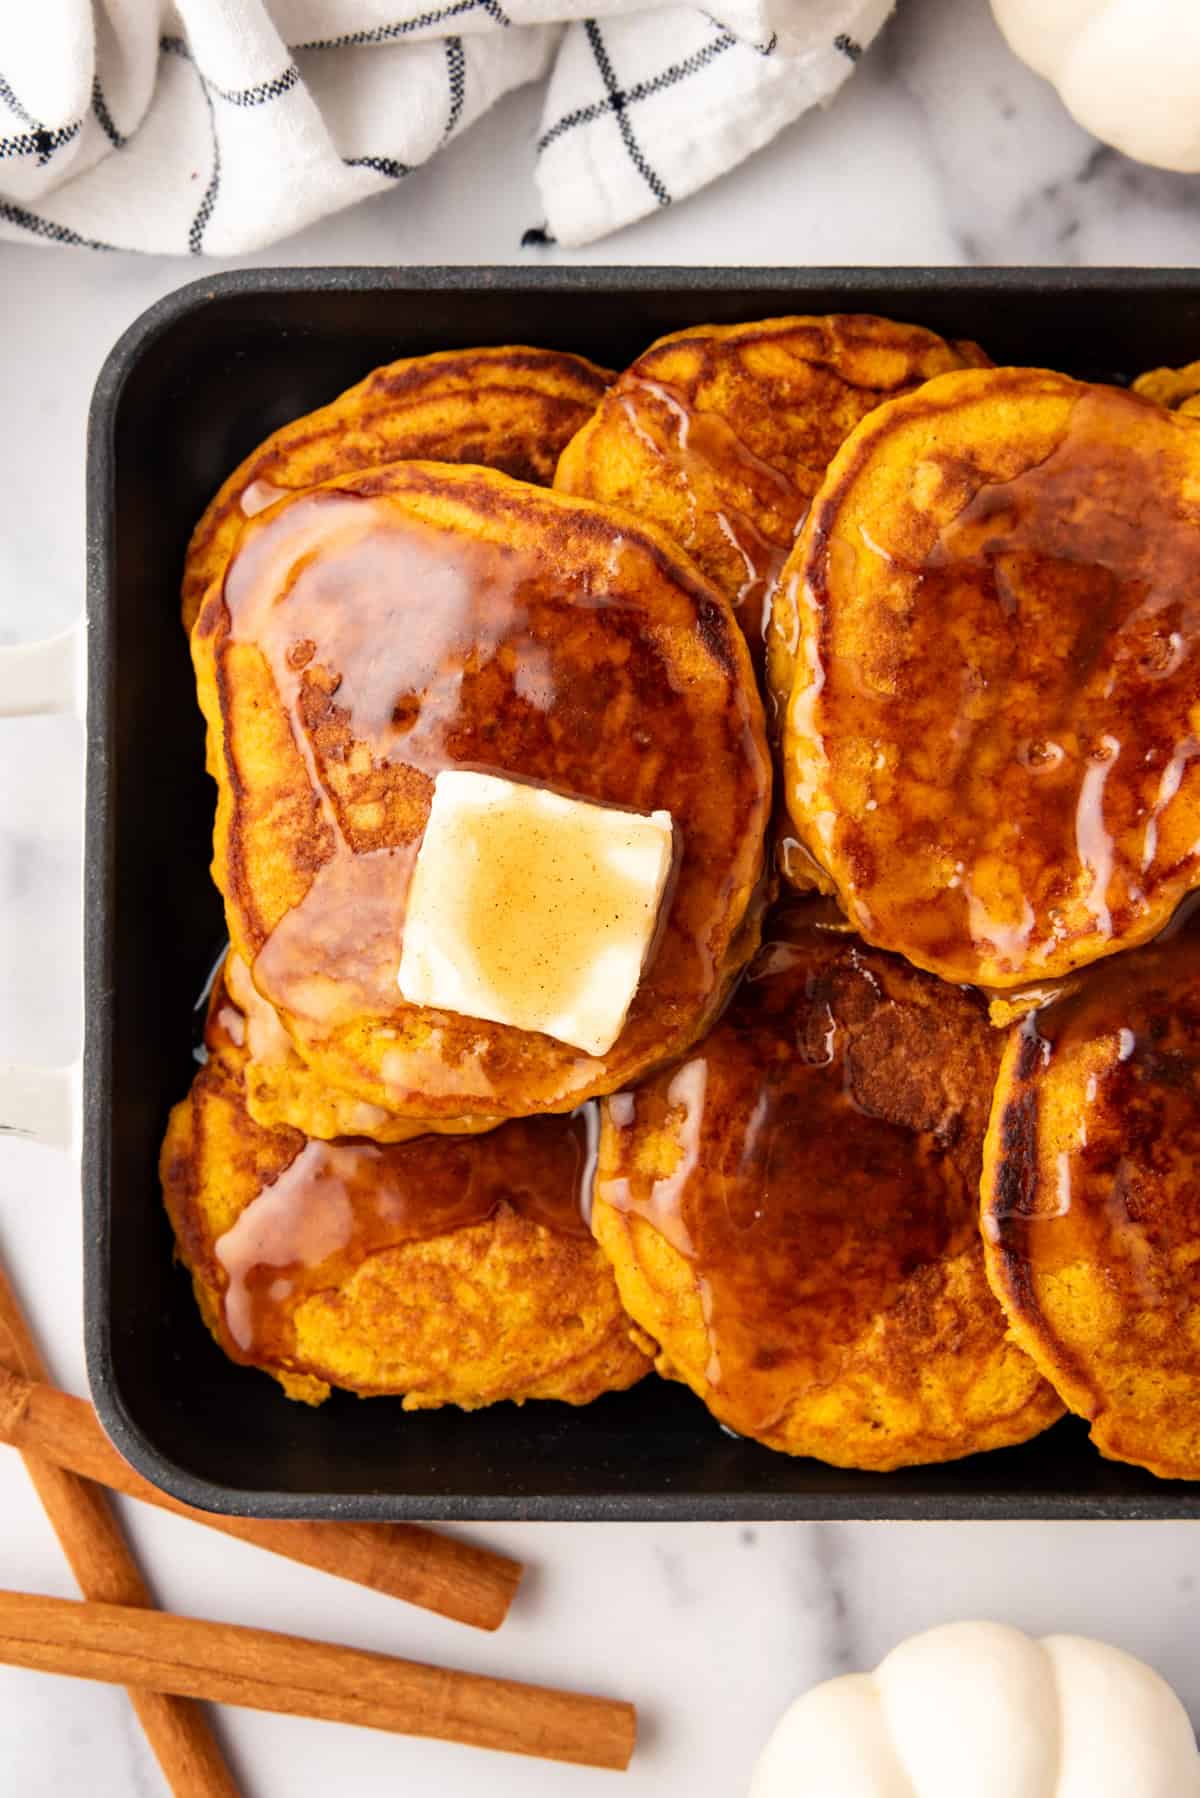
(978, 1710)
(1128, 70)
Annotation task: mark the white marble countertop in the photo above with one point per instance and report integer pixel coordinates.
(940, 150)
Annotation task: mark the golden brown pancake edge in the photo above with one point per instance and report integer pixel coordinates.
(512, 407)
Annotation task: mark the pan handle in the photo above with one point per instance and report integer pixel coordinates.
(43, 677)
(44, 1104)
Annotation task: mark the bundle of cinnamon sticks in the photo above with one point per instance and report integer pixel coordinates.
(167, 1662)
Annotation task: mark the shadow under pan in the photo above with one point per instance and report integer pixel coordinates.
(190, 389)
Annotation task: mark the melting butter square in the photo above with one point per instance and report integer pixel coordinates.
(531, 909)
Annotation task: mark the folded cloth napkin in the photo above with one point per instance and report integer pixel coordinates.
(218, 126)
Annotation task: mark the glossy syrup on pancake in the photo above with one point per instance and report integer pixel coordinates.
(721, 435)
(326, 595)
(700, 451)
(825, 1142)
(1137, 576)
(1029, 693)
(279, 1087)
(567, 652)
(1110, 1201)
(1090, 1200)
(447, 1272)
(337, 1203)
(508, 407)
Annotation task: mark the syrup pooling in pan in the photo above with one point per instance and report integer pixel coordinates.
(338, 1203)
(994, 734)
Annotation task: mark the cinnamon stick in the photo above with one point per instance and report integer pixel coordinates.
(265, 1671)
(100, 1558)
(472, 1585)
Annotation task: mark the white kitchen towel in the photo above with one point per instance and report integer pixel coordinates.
(218, 126)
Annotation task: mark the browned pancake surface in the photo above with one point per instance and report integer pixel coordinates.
(511, 408)
(279, 1086)
(791, 1212)
(1178, 389)
(1091, 1201)
(374, 631)
(721, 434)
(992, 740)
(451, 1271)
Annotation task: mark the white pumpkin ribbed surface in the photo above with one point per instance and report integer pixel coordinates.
(979, 1709)
(974, 1696)
(833, 1740)
(1122, 1727)
(1128, 70)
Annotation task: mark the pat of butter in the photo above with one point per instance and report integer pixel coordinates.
(530, 909)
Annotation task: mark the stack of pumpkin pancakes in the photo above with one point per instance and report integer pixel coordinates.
(891, 1155)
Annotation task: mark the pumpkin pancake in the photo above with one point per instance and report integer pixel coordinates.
(1091, 1201)
(387, 626)
(992, 741)
(721, 434)
(510, 408)
(448, 1270)
(279, 1086)
(1178, 389)
(791, 1212)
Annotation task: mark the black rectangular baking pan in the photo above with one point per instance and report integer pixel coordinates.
(188, 390)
